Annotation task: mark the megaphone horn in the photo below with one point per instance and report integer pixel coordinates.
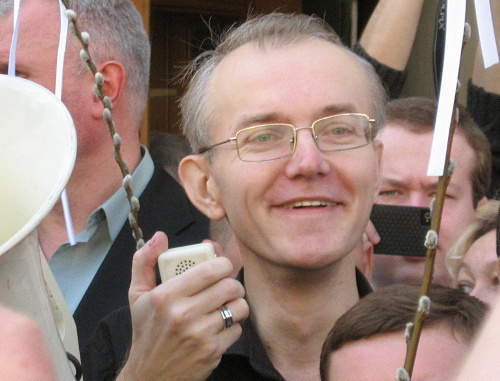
(37, 155)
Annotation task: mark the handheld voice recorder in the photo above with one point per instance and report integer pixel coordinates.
(179, 259)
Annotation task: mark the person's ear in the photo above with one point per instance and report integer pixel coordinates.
(195, 176)
(365, 261)
(481, 202)
(114, 82)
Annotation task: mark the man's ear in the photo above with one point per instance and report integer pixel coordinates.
(114, 82)
(482, 202)
(195, 176)
(364, 262)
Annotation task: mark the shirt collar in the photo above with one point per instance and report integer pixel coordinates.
(114, 208)
(250, 346)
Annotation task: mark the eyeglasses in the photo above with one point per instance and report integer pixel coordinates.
(276, 140)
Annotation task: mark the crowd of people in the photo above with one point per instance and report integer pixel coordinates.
(292, 139)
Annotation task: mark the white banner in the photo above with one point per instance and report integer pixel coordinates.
(455, 22)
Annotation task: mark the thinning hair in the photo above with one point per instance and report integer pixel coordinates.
(270, 31)
(484, 220)
(389, 309)
(418, 115)
(117, 33)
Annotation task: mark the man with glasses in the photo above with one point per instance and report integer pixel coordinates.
(282, 118)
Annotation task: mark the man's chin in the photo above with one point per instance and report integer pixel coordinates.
(415, 260)
(412, 271)
(400, 270)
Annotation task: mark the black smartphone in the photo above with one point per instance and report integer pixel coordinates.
(402, 229)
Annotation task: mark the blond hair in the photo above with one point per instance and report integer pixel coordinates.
(483, 221)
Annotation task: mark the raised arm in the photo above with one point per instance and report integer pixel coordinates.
(488, 78)
(483, 100)
(389, 34)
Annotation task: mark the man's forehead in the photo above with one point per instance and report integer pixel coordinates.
(405, 127)
(36, 11)
(254, 50)
(289, 69)
(34, 15)
(393, 134)
(246, 119)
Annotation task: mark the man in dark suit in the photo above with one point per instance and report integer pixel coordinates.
(94, 274)
(164, 205)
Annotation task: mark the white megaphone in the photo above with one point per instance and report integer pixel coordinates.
(37, 155)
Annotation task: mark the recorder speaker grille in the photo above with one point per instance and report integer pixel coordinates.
(183, 266)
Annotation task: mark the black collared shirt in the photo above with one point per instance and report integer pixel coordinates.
(244, 360)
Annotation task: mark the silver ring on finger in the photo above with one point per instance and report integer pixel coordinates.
(227, 316)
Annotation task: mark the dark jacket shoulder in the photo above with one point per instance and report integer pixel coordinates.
(164, 207)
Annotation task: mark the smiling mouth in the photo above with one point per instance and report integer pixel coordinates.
(308, 204)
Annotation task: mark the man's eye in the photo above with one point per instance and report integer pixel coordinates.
(392, 192)
(447, 195)
(4, 70)
(262, 138)
(335, 130)
(265, 135)
(339, 131)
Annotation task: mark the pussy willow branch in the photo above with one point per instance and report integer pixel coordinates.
(414, 329)
(424, 302)
(84, 39)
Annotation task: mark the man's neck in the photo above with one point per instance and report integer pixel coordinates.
(91, 184)
(293, 313)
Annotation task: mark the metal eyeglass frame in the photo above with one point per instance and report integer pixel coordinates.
(295, 129)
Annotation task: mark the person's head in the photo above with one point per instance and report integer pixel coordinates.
(118, 44)
(267, 33)
(407, 137)
(308, 208)
(473, 260)
(168, 150)
(368, 341)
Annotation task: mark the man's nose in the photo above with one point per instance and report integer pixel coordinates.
(418, 199)
(307, 160)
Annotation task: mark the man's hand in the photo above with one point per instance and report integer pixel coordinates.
(371, 234)
(178, 329)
